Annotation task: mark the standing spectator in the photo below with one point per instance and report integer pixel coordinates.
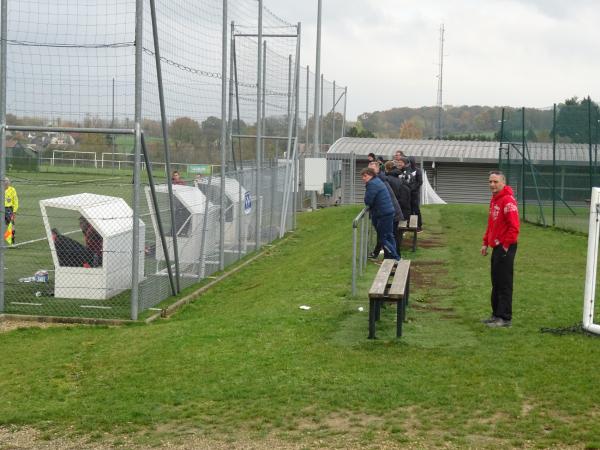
(501, 234)
(397, 209)
(397, 156)
(377, 198)
(11, 206)
(400, 188)
(371, 157)
(176, 178)
(416, 182)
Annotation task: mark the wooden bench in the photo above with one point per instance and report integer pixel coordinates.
(391, 284)
(410, 226)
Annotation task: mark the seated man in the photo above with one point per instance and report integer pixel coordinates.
(93, 241)
(71, 253)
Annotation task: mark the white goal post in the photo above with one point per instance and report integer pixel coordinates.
(592, 264)
(73, 156)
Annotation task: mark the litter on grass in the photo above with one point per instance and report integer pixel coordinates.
(305, 307)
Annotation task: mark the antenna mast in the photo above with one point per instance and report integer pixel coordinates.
(440, 104)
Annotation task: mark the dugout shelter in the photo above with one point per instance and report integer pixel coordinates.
(112, 220)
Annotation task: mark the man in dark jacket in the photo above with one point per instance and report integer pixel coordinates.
(416, 181)
(378, 199)
(398, 216)
(400, 188)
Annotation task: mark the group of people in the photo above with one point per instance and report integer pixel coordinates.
(393, 193)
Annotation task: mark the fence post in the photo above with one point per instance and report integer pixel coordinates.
(139, 11)
(591, 164)
(333, 116)
(554, 165)
(259, 124)
(344, 119)
(3, 47)
(223, 136)
(523, 143)
(163, 117)
(317, 82)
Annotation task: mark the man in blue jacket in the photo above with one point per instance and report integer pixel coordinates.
(378, 199)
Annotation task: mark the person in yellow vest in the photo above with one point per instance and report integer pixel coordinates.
(11, 206)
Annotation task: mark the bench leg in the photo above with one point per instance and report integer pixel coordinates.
(377, 310)
(401, 238)
(406, 295)
(372, 307)
(414, 241)
(399, 317)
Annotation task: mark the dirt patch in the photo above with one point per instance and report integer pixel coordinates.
(431, 262)
(432, 276)
(12, 324)
(430, 243)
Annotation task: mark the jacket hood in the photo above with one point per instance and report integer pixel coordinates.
(506, 190)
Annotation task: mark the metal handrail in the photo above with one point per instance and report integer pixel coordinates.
(364, 230)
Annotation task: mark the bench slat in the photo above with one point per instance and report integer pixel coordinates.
(414, 221)
(400, 278)
(381, 279)
(402, 224)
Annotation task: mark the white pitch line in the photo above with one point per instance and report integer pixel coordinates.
(25, 303)
(77, 182)
(95, 307)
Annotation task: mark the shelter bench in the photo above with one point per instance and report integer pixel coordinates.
(411, 227)
(391, 284)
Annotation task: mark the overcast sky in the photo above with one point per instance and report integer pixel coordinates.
(498, 52)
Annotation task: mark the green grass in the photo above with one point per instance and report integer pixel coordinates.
(245, 363)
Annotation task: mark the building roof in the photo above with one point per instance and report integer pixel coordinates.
(454, 151)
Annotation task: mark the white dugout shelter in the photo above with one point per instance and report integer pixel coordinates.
(192, 227)
(112, 218)
(238, 208)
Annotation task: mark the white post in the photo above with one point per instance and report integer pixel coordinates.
(592, 264)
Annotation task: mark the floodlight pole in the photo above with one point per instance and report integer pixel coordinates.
(3, 35)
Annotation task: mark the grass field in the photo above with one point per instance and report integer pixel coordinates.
(244, 366)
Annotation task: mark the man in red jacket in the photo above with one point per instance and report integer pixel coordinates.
(501, 234)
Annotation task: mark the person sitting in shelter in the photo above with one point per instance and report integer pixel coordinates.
(71, 253)
(93, 241)
(176, 178)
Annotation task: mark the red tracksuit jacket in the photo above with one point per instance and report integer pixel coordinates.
(503, 220)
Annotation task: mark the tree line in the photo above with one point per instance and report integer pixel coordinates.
(577, 121)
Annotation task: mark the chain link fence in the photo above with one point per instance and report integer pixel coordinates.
(104, 102)
(551, 161)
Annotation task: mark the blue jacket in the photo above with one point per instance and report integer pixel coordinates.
(378, 198)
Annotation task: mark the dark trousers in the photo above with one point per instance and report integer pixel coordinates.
(385, 236)
(502, 281)
(415, 206)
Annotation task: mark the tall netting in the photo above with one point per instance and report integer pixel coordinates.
(70, 149)
(551, 160)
